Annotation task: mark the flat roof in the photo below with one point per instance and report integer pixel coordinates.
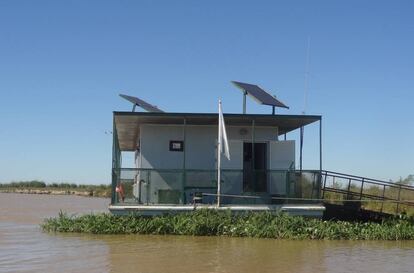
(127, 123)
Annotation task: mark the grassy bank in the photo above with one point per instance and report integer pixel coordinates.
(219, 223)
(40, 187)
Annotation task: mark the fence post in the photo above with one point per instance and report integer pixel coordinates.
(349, 189)
(398, 198)
(324, 185)
(362, 188)
(148, 185)
(287, 181)
(313, 187)
(383, 195)
(113, 185)
(319, 185)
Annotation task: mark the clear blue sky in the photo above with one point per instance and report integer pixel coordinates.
(63, 64)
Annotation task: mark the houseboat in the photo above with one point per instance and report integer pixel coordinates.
(176, 161)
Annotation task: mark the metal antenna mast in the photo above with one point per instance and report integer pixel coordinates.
(302, 129)
(305, 97)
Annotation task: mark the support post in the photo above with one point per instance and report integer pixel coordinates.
(253, 175)
(349, 189)
(219, 157)
(244, 102)
(113, 194)
(398, 198)
(147, 185)
(320, 146)
(383, 196)
(273, 110)
(324, 185)
(218, 173)
(301, 149)
(362, 189)
(116, 163)
(184, 175)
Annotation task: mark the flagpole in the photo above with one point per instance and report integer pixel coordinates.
(219, 156)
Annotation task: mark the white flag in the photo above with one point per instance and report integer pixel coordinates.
(223, 141)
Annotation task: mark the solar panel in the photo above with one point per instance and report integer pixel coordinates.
(259, 95)
(145, 105)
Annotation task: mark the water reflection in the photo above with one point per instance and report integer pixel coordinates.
(204, 254)
(127, 253)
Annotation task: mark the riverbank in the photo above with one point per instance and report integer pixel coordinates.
(219, 223)
(40, 187)
(85, 193)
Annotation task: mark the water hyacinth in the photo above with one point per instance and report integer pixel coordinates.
(223, 223)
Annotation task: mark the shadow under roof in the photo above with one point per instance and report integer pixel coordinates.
(127, 123)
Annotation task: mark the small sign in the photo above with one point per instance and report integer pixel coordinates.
(176, 145)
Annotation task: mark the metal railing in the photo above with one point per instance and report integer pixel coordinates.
(178, 186)
(373, 194)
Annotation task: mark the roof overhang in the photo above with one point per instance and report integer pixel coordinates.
(127, 124)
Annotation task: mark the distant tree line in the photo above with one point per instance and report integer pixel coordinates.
(42, 184)
(409, 180)
(25, 184)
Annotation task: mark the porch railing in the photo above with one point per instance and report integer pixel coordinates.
(371, 194)
(178, 186)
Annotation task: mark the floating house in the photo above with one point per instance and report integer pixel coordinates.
(176, 161)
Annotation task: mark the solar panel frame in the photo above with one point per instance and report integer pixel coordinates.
(141, 103)
(259, 95)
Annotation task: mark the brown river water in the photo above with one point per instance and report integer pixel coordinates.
(25, 248)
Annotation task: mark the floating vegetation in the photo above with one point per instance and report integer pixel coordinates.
(223, 223)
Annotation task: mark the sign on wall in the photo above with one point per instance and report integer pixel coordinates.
(176, 145)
